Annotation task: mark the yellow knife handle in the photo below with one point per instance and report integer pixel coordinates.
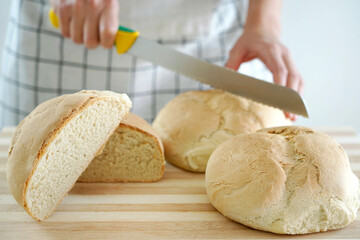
(125, 37)
(53, 18)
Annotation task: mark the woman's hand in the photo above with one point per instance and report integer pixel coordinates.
(260, 39)
(89, 22)
(273, 54)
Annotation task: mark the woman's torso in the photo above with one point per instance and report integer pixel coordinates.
(39, 64)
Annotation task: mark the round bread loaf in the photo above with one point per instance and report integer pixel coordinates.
(194, 123)
(55, 143)
(134, 153)
(287, 180)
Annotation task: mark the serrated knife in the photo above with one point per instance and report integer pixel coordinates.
(128, 41)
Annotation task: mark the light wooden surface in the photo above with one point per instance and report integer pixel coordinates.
(174, 208)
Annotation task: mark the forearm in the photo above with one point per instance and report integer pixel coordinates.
(264, 17)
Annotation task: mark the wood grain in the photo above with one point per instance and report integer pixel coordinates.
(176, 207)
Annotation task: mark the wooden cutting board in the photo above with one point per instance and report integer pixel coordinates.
(176, 207)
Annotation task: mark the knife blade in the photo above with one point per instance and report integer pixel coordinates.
(219, 77)
(128, 41)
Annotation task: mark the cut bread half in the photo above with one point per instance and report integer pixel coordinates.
(56, 142)
(134, 153)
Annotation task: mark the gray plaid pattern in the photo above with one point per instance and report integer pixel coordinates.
(31, 75)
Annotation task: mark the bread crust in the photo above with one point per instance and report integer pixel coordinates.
(287, 180)
(194, 123)
(28, 146)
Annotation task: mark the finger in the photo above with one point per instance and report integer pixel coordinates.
(91, 28)
(301, 86)
(290, 116)
(109, 24)
(293, 79)
(64, 12)
(77, 22)
(271, 57)
(274, 62)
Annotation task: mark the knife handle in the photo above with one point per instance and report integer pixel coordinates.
(53, 18)
(124, 39)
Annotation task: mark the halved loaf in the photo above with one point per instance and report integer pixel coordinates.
(134, 153)
(55, 143)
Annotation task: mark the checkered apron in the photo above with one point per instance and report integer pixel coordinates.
(39, 64)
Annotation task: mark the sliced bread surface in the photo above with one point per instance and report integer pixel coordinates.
(134, 153)
(55, 143)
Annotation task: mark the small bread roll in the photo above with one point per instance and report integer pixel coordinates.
(134, 153)
(194, 123)
(55, 143)
(287, 180)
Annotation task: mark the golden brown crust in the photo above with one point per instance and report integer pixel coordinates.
(194, 123)
(288, 180)
(87, 104)
(31, 139)
(51, 136)
(48, 139)
(34, 134)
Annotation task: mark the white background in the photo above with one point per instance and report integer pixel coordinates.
(324, 39)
